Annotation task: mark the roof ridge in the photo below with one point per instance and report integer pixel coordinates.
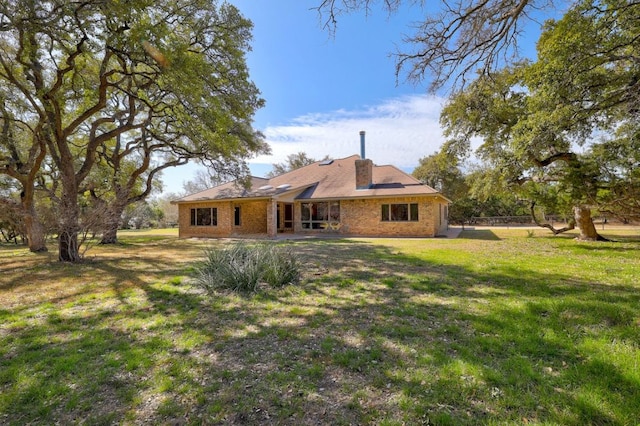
(315, 163)
(402, 171)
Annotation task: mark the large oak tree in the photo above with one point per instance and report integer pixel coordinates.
(22, 153)
(567, 124)
(135, 86)
(540, 123)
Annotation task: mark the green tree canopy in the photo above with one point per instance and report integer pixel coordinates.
(547, 127)
(141, 85)
(293, 162)
(442, 174)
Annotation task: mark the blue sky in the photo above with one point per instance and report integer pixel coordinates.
(322, 89)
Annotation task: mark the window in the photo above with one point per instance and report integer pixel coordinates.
(400, 212)
(288, 216)
(319, 215)
(204, 217)
(236, 215)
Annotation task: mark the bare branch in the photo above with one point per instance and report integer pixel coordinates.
(452, 42)
(571, 225)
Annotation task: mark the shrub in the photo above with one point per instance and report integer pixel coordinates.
(243, 268)
(281, 266)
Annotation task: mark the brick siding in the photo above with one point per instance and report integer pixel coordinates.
(364, 217)
(253, 219)
(361, 217)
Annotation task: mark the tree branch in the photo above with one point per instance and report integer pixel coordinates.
(571, 225)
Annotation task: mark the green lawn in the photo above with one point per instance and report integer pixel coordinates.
(495, 327)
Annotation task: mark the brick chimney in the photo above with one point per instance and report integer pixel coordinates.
(364, 168)
(364, 173)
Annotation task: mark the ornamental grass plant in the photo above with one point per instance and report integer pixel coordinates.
(243, 267)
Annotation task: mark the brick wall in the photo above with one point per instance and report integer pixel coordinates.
(358, 217)
(253, 219)
(364, 217)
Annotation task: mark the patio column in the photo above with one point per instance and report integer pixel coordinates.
(272, 218)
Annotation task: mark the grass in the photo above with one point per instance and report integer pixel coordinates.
(495, 327)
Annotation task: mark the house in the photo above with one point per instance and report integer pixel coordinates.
(349, 196)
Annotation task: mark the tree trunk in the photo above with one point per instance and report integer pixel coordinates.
(110, 234)
(588, 231)
(32, 225)
(110, 231)
(68, 247)
(35, 233)
(112, 224)
(68, 250)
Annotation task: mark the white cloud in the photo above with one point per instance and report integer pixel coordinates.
(399, 131)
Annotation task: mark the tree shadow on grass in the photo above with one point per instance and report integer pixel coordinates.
(371, 335)
(479, 234)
